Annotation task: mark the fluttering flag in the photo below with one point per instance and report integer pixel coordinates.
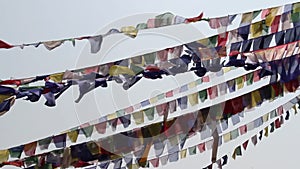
(5, 45)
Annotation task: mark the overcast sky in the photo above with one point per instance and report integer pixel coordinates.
(33, 21)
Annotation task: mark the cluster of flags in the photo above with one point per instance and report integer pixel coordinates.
(267, 47)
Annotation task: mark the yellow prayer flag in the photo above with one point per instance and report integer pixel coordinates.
(247, 18)
(272, 14)
(4, 97)
(266, 117)
(130, 31)
(267, 131)
(153, 100)
(193, 99)
(227, 137)
(112, 116)
(57, 77)
(116, 70)
(138, 117)
(4, 155)
(256, 29)
(192, 85)
(296, 7)
(240, 82)
(183, 153)
(226, 69)
(255, 98)
(73, 135)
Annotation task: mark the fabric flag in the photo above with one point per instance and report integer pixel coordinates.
(212, 92)
(234, 134)
(169, 94)
(209, 144)
(246, 18)
(118, 163)
(237, 152)
(145, 103)
(254, 140)
(73, 135)
(266, 131)
(266, 117)
(235, 119)
(260, 134)
(243, 129)
(50, 45)
(104, 165)
(286, 21)
(223, 88)
(16, 152)
(227, 137)
(245, 144)
(173, 157)
(88, 131)
(255, 98)
(101, 127)
(29, 149)
(183, 153)
(162, 109)
(231, 85)
(275, 24)
(95, 42)
(130, 31)
(193, 99)
(250, 126)
(164, 159)
(203, 95)
(287, 115)
(4, 154)
(192, 150)
(277, 123)
(272, 127)
(182, 102)
(138, 117)
(172, 106)
(5, 45)
(60, 140)
(149, 113)
(155, 162)
(6, 105)
(44, 143)
(256, 29)
(201, 147)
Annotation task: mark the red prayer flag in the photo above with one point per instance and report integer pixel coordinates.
(5, 45)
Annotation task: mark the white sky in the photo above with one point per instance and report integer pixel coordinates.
(32, 20)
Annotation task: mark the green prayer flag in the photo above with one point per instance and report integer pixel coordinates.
(136, 69)
(203, 95)
(150, 58)
(141, 26)
(192, 150)
(149, 113)
(255, 14)
(88, 131)
(249, 78)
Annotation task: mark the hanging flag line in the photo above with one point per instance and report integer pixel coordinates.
(265, 132)
(166, 19)
(269, 129)
(60, 141)
(204, 146)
